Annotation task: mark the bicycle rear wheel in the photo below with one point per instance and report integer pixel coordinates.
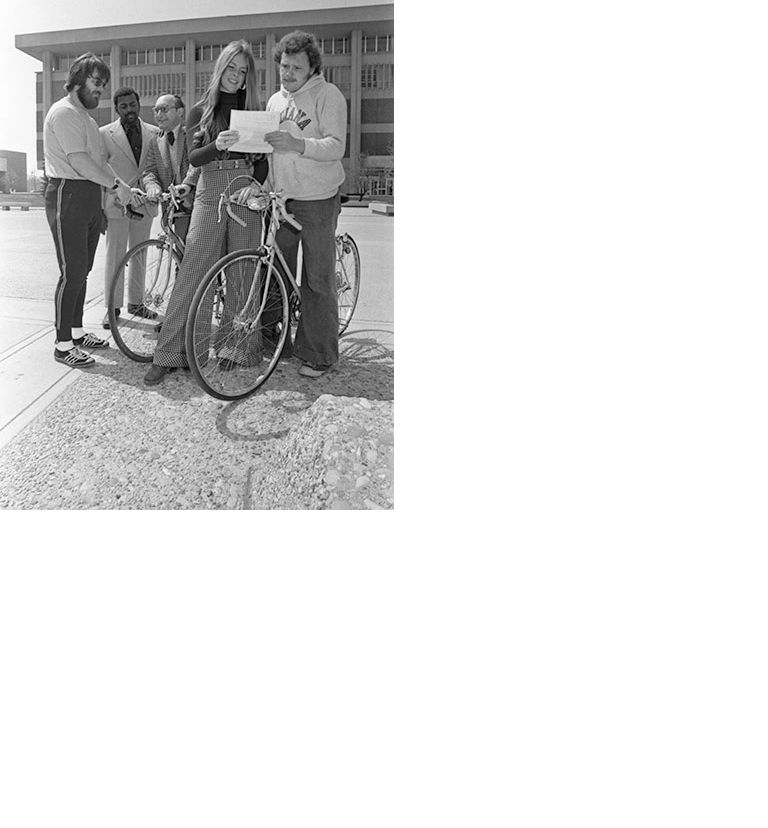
(237, 325)
(347, 278)
(154, 264)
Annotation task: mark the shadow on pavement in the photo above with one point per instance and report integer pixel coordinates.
(365, 369)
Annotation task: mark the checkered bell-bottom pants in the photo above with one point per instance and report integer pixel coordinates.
(207, 241)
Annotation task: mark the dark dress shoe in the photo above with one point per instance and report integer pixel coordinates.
(155, 375)
(141, 310)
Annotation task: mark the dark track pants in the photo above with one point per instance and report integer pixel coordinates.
(73, 210)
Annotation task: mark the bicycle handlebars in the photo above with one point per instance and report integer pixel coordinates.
(265, 200)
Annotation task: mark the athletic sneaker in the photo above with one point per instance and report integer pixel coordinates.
(90, 341)
(74, 358)
(307, 370)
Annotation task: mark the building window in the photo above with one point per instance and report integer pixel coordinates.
(202, 79)
(150, 87)
(334, 45)
(208, 52)
(378, 43)
(378, 76)
(340, 76)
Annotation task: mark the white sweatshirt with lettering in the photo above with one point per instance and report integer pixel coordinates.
(317, 113)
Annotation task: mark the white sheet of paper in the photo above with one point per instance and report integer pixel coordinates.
(253, 126)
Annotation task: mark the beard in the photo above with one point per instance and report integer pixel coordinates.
(87, 99)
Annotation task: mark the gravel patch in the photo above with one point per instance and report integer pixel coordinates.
(110, 442)
(340, 455)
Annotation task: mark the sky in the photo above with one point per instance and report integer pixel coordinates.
(18, 124)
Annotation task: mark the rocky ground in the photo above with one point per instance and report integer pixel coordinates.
(109, 442)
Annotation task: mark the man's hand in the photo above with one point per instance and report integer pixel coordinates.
(124, 193)
(241, 196)
(153, 192)
(138, 197)
(181, 191)
(284, 142)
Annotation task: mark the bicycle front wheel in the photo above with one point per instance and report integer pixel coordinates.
(347, 278)
(237, 325)
(147, 272)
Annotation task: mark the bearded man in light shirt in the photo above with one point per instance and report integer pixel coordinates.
(77, 169)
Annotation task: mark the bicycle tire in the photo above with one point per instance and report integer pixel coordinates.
(234, 334)
(135, 335)
(347, 278)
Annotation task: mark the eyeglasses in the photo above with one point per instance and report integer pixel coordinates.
(99, 83)
(160, 109)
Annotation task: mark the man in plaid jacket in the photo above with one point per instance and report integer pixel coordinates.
(168, 160)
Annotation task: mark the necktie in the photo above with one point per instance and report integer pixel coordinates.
(170, 138)
(134, 139)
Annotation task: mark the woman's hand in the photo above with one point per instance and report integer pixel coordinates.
(226, 138)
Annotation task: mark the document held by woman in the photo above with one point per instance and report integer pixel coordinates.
(253, 126)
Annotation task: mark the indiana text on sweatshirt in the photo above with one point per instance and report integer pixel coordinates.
(317, 113)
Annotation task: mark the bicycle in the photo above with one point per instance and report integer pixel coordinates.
(242, 310)
(158, 261)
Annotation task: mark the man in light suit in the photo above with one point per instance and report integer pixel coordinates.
(168, 161)
(126, 143)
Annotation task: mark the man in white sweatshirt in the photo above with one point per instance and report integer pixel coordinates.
(306, 166)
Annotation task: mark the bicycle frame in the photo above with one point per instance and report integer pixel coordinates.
(169, 208)
(268, 248)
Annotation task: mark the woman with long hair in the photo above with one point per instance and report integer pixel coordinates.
(212, 232)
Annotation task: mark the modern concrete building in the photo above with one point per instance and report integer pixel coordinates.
(178, 57)
(13, 171)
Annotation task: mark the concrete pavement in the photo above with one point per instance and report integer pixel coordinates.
(30, 379)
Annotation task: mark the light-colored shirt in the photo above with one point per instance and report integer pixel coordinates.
(69, 128)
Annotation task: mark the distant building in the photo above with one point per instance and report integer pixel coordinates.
(13, 171)
(178, 57)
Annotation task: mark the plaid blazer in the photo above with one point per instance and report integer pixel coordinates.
(167, 164)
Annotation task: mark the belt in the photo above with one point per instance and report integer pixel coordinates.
(234, 164)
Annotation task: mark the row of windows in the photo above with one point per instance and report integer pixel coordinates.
(151, 57)
(152, 86)
(211, 51)
(376, 76)
(379, 76)
(328, 46)
(177, 54)
(379, 43)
